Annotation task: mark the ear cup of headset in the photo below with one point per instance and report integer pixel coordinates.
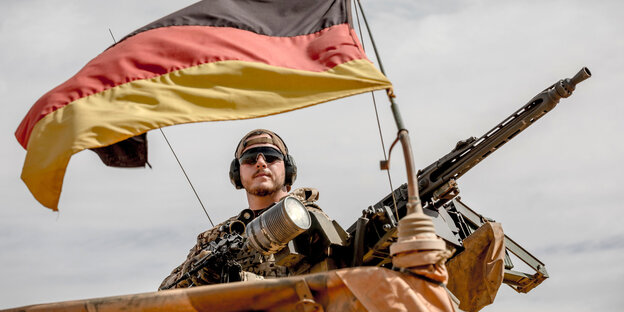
(291, 170)
(235, 174)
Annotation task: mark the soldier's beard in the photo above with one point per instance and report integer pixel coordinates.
(265, 191)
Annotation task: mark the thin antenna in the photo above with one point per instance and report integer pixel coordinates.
(111, 32)
(177, 159)
(187, 178)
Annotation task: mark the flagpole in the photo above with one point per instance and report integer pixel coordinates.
(416, 232)
(414, 204)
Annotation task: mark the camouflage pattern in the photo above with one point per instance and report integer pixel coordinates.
(254, 264)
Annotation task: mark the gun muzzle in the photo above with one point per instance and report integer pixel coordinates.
(565, 87)
(583, 74)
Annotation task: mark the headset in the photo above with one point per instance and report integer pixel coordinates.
(289, 165)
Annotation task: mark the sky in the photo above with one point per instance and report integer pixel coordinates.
(458, 69)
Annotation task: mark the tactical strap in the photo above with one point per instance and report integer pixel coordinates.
(260, 140)
(422, 277)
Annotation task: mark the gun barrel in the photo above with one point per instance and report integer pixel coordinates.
(583, 74)
(469, 153)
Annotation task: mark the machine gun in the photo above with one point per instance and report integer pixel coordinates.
(376, 230)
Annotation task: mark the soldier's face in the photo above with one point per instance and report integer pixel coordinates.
(263, 178)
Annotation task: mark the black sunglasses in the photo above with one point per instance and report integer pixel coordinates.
(250, 156)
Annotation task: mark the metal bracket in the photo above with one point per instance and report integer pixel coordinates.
(306, 301)
(447, 191)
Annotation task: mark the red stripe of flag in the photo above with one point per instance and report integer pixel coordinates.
(163, 50)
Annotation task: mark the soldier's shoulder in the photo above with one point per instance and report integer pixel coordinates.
(306, 194)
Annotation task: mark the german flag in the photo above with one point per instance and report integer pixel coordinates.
(214, 60)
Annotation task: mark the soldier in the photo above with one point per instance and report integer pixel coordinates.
(265, 169)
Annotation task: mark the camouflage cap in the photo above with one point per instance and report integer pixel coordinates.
(273, 139)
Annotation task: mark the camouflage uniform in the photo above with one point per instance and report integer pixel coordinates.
(258, 265)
